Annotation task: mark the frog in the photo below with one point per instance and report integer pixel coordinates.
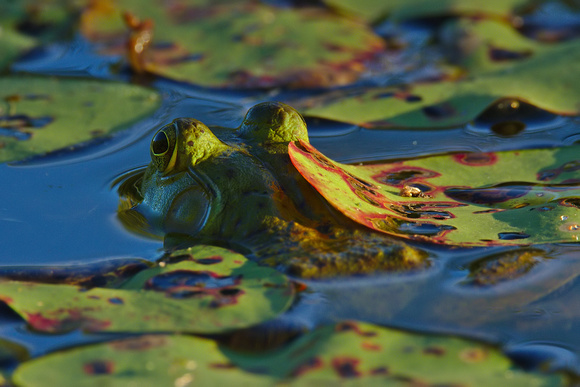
(238, 188)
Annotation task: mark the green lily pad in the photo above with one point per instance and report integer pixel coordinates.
(356, 353)
(374, 10)
(469, 199)
(240, 44)
(447, 104)
(40, 115)
(209, 290)
(12, 45)
(142, 361)
(26, 23)
(482, 45)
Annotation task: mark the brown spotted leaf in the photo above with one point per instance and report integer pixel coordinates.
(140, 361)
(40, 115)
(209, 289)
(454, 103)
(373, 10)
(240, 44)
(469, 199)
(357, 353)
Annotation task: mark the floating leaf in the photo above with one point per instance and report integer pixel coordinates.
(12, 45)
(446, 104)
(374, 10)
(39, 115)
(242, 44)
(209, 290)
(142, 361)
(359, 353)
(470, 199)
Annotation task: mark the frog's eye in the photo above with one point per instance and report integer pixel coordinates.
(163, 152)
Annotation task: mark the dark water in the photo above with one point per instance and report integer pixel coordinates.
(61, 210)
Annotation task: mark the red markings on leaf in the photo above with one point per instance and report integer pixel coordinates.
(346, 367)
(99, 367)
(570, 202)
(475, 159)
(65, 320)
(40, 323)
(371, 346)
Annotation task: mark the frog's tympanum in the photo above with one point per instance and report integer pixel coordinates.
(238, 187)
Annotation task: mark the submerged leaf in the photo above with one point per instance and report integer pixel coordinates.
(446, 104)
(209, 289)
(359, 353)
(142, 361)
(40, 115)
(242, 44)
(469, 199)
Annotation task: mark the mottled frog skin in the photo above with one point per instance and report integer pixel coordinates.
(238, 187)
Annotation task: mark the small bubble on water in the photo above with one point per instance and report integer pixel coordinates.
(563, 217)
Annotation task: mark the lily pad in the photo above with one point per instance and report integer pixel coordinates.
(40, 115)
(469, 199)
(374, 10)
(209, 290)
(12, 45)
(240, 44)
(154, 360)
(447, 104)
(356, 353)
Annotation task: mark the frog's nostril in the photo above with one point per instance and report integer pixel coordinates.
(160, 143)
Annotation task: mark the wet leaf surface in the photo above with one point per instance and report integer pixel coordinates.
(40, 115)
(196, 41)
(496, 73)
(207, 290)
(468, 199)
(356, 353)
(146, 361)
(374, 10)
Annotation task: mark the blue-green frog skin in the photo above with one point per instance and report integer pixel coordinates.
(238, 187)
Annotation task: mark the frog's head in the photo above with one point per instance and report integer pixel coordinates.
(218, 184)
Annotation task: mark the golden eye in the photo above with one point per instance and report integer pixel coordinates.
(163, 148)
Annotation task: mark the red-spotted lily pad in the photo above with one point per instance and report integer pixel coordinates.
(154, 360)
(368, 355)
(241, 44)
(209, 289)
(470, 199)
(40, 115)
(373, 10)
(547, 79)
